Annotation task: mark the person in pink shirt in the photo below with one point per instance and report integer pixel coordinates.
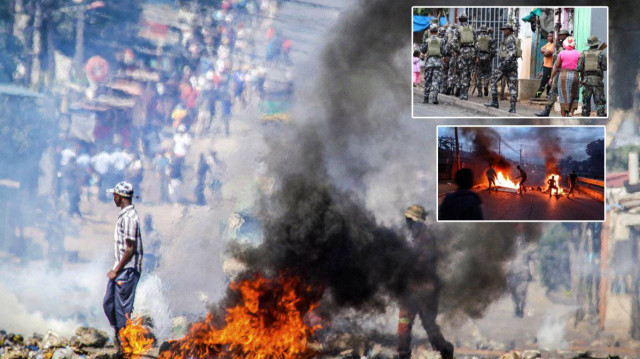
(568, 81)
(416, 68)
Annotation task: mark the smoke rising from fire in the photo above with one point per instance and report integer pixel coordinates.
(485, 141)
(550, 146)
(320, 222)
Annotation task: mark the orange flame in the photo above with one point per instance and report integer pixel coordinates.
(266, 325)
(135, 338)
(503, 180)
(557, 179)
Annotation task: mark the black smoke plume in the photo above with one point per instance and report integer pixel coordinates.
(485, 142)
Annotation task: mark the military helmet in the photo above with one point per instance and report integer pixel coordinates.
(563, 32)
(433, 28)
(442, 31)
(416, 213)
(593, 41)
(490, 30)
(463, 17)
(483, 28)
(508, 25)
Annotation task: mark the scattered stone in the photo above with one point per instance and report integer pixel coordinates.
(51, 340)
(14, 353)
(531, 354)
(91, 337)
(63, 353)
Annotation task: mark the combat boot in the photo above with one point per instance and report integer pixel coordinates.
(435, 100)
(486, 91)
(447, 91)
(602, 113)
(425, 99)
(458, 92)
(512, 109)
(586, 113)
(494, 102)
(545, 112)
(464, 96)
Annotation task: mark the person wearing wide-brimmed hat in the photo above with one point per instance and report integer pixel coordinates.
(591, 66)
(433, 49)
(424, 292)
(486, 51)
(567, 81)
(507, 68)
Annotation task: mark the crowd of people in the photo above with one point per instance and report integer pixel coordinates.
(451, 55)
(213, 71)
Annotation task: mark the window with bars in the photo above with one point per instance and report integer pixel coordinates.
(490, 17)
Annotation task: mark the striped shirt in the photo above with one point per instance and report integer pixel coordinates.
(128, 228)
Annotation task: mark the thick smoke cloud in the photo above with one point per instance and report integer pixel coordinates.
(550, 146)
(320, 224)
(485, 140)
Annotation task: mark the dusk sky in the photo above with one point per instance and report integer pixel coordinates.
(572, 140)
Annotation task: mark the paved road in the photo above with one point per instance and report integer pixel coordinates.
(440, 110)
(537, 206)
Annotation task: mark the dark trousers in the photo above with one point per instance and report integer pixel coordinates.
(546, 75)
(425, 305)
(118, 300)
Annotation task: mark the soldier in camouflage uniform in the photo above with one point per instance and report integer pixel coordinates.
(553, 94)
(591, 66)
(452, 75)
(442, 35)
(486, 50)
(464, 44)
(433, 49)
(507, 67)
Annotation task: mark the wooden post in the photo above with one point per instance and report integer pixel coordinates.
(604, 264)
(457, 151)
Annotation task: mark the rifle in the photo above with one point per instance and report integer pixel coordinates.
(602, 46)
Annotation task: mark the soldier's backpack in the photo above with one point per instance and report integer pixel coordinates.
(483, 43)
(434, 47)
(518, 47)
(466, 35)
(591, 63)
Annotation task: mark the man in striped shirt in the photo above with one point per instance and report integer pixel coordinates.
(124, 276)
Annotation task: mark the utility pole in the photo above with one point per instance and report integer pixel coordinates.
(457, 150)
(521, 156)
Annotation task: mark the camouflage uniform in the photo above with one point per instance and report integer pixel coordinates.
(466, 56)
(433, 67)
(452, 75)
(591, 66)
(442, 35)
(507, 67)
(485, 58)
(553, 92)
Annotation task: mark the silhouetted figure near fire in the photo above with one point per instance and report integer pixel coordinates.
(422, 298)
(123, 278)
(573, 179)
(523, 176)
(552, 184)
(491, 176)
(463, 204)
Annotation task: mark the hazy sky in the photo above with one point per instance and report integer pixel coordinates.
(573, 140)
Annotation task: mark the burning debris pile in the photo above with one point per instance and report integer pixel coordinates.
(268, 321)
